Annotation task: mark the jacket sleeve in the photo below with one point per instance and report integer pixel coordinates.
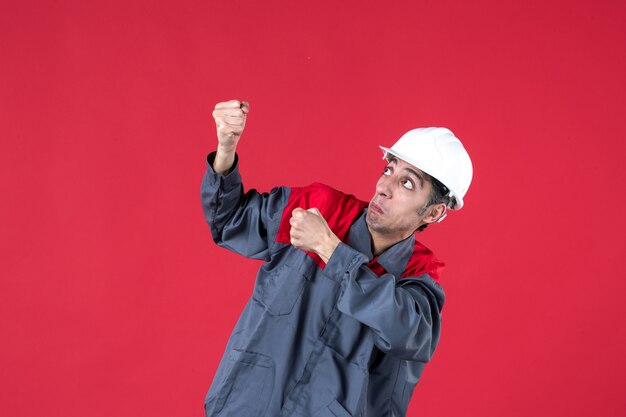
(405, 316)
(245, 223)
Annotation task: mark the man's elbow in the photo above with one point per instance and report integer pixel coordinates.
(417, 346)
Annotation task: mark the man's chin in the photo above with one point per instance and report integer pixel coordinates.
(373, 223)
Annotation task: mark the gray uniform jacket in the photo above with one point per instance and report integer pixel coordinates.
(337, 341)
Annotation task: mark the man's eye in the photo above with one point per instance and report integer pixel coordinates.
(407, 184)
(387, 171)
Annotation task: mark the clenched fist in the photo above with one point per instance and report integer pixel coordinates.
(230, 119)
(310, 232)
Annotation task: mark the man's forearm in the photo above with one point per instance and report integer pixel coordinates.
(326, 250)
(224, 160)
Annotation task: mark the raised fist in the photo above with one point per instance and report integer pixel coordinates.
(230, 119)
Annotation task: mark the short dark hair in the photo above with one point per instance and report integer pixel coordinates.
(438, 194)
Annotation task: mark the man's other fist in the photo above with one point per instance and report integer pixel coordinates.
(310, 232)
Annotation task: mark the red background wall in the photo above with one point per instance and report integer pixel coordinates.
(115, 302)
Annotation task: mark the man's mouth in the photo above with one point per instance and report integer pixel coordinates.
(376, 208)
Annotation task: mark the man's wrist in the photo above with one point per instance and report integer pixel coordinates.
(328, 248)
(224, 160)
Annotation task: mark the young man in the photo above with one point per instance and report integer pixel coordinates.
(346, 310)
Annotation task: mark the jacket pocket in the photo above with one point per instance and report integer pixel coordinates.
(334, 409)
(247, 389)
(279, 288)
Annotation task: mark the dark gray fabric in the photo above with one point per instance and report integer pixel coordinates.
(312, 342)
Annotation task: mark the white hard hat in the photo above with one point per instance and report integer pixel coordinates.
(437, 152)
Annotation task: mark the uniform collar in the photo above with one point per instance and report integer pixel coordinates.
(394, 259)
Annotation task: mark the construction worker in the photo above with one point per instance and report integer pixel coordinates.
(346, 309)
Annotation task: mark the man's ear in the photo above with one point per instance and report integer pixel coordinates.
(435, 212)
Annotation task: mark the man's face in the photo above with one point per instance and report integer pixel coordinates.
(401, 192)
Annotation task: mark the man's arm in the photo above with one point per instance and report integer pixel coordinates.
(404, 316)
(244, 223)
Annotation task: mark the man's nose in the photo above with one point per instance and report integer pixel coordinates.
(382, 187)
